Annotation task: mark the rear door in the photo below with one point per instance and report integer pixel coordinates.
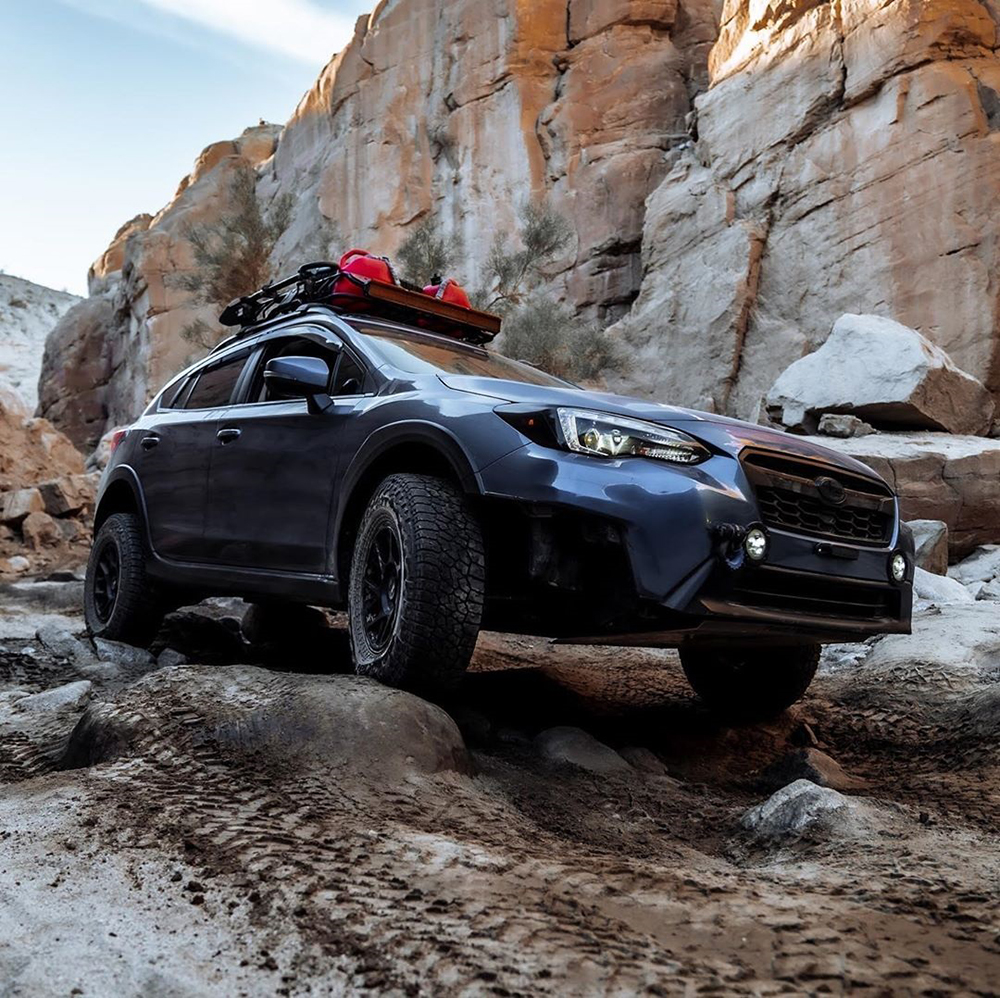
(174, 456)
(275, 465)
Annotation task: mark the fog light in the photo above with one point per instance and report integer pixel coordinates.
(755, 544)
(897, 567)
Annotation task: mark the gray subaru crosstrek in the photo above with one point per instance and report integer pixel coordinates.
(372, 455)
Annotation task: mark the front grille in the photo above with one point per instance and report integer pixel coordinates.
(816, 595)
(789, 498)
(802, 514)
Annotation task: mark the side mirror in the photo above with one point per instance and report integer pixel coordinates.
(297, 377)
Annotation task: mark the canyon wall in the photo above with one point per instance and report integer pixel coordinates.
(731, 190)
(848, 160)
(459, 109)
(27, 312)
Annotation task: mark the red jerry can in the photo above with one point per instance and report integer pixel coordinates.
(362, 264)
(449, 291)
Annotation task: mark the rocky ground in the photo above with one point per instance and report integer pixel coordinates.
(207, 818)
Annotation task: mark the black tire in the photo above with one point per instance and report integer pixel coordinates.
(752, 683)
(419, 634)
(119, 600)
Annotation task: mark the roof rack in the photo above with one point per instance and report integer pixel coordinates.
(323, 283)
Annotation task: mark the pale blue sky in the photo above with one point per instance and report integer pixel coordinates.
(106, 104)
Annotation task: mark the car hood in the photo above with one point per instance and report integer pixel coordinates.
(726, 434)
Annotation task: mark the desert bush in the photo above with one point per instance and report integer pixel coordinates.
(232, 254)
(550, 336)
(512, 272)
(425, 253)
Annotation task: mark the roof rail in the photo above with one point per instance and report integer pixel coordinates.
(326, 284)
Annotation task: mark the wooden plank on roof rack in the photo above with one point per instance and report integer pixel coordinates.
(395, 295)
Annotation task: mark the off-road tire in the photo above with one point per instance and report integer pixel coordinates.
(441, 589)
(752, 683)
(138, 609)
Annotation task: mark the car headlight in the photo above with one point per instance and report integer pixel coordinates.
(604, 435)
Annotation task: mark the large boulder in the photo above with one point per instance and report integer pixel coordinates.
(937, 477)
(328, 723)
(882, 372)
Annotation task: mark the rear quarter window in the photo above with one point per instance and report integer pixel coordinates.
(211, 387)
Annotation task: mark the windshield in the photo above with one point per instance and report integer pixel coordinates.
(414, 353)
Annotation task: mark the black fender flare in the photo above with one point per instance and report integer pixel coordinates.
(386, 438)
(124, 473)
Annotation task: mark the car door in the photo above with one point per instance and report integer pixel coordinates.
(174, 457)
(275, 465)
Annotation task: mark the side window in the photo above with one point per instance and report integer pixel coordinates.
(350, 376)
(214, 385)
(176, 396)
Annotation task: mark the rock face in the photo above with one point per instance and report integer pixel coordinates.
(111, 352)
(882, 372)
(937, 477)
(846, 162)
(454, 108)
(27, 314)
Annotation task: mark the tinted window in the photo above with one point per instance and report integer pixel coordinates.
(416, 354)
(350, 377)
(175, 397)
(215, 385)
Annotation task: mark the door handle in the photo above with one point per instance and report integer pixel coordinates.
(148, 443)
(228, 434)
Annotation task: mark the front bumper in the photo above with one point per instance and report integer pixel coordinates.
(691, 581)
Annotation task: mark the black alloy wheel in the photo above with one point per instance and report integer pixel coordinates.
(382, 585)
(120, 601)
(107, 574)
(417, 584)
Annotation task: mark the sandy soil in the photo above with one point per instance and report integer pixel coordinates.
(180, 869)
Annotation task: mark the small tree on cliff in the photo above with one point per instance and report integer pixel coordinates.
(232, 254)
(425, 253)
(537, 329)
(512, 272)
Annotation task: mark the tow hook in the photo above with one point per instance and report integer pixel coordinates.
(728, 544)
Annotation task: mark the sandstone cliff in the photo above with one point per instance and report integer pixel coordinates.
(848, 160)
(452, 107)
(844, 158)
(27, 314)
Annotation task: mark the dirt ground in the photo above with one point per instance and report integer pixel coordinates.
(179, 868)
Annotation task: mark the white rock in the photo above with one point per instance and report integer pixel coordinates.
(983, 565)
(956, 645)
(930, 537)
(72, 696)
(792, 810)
(885, 373)
(60, 643)
(938, 588)
(15, 565)
(989, 591)
(576, 746)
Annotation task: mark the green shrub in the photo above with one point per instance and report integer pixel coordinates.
(232, 253)
(550, 336)
(425, 253)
